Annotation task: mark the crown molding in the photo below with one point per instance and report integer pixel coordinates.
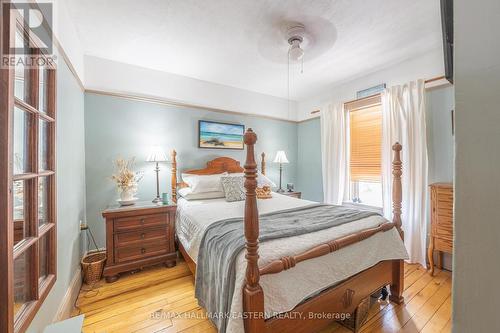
(169, 102)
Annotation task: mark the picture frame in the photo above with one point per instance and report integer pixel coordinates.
(220, 135)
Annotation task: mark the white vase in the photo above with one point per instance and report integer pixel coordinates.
(127, 194)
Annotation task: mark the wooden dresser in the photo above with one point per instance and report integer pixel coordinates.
(441, 237)
(138, 236)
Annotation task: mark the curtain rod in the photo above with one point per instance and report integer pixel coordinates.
(437, 78)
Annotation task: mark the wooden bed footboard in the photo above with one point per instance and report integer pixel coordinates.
(329, 305)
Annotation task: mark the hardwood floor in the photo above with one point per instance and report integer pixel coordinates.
(162, 300)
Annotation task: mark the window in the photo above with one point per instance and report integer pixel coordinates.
(27, 182)
(365, 153)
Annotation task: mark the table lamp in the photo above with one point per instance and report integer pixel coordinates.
(281, 159)
(157, 155)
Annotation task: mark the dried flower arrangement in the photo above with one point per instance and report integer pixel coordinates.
(124, 177)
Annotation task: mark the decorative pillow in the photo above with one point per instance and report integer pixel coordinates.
(203, 183)
(188, 194)
(263, 192)
(233, 188)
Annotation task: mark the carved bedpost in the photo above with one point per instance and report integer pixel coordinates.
(174, 176)
(263, 163)
(397, 285)
(253, 296)
(397, 188)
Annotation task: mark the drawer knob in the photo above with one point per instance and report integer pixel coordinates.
(142, 221)
(143, 250)
(143, 235)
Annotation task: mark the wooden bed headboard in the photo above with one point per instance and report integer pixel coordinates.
(215, 166)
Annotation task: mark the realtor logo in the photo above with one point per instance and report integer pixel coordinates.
(32, 43)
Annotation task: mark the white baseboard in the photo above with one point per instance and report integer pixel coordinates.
(67, 303)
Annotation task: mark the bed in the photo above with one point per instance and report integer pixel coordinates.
(302, 282)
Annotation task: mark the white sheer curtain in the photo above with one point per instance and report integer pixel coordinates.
(404, 121)
(333, 152)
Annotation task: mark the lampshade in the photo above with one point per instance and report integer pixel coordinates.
(281, 157)
(157, 154)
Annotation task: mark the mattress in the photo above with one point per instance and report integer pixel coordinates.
(308, 277)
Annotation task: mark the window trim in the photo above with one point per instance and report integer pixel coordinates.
(38, 288)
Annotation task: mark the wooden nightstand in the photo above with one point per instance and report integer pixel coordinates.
(294, 194)
(139, 236)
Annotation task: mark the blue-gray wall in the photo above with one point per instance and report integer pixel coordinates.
(120, 127)
(440, 147)
(70, 191)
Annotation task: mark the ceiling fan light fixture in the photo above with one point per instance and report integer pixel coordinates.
(295, 36)
(295, 52)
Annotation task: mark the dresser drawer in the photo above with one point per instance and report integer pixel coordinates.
(443, 245)
(445, 197)
(138, 222)
(443, 231)
(444, 220)
(141, 235)
(141, 251)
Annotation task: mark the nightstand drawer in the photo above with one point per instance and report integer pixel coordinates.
(297, 195)
(147, 249)
(159, 234)
(136, 222)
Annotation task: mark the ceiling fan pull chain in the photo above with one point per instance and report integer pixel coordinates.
(288, 80)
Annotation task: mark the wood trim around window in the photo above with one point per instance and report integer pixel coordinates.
(32, 232)
(6, 233)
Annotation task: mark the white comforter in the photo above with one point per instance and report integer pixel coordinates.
(305, 279)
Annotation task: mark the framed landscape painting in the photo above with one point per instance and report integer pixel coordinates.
(217, 135)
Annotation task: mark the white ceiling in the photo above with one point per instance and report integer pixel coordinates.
(232, 42)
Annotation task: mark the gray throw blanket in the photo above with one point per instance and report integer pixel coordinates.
(223, 241)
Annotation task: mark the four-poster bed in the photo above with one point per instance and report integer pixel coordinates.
(341, 298)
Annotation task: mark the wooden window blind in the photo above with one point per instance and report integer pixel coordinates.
(366, 143)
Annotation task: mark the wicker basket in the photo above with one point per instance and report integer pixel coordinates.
(92, 266)
(359, 316)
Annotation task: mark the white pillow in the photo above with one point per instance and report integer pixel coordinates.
(262, 180)
(203, 183)
(188, 194)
